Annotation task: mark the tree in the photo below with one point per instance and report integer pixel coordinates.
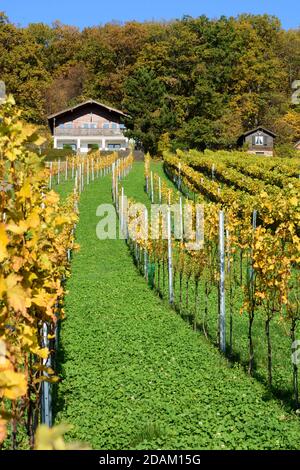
(288, 127)
(22, 70)
(258, 76)
(201, 81)
(67, 87)
(144, 101)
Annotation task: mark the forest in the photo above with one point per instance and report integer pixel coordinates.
(188, 83)
(116, 329)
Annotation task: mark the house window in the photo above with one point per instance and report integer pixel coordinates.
(114, 125)
(69, 125)
(106, 125)
(259, 139)
(113, 146)
(61, 126)
(122, 126)
(89, 125)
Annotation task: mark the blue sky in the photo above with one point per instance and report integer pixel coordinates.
(92, 12)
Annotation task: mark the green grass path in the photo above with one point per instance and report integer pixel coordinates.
(135, 375)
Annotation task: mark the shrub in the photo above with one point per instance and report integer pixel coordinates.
(286, 151)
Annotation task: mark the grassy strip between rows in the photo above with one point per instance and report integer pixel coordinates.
(64, 188)
(134, 375)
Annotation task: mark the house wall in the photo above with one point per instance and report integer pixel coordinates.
(268, 153)
(99, 122)
(265, 149)
(268, 141)
(82, 144)
(89, 124)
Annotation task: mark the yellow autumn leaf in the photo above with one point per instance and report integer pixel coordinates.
(33, 221)
(45, 378)
(40, 140)
(19, 228)
(16, 263)
(260, 295)
(30, 132)
(3, 430)
(43, 368)
(11, 154)
(2, 286)
(61, 220)
(43, 353)
(16, 295)
(12, 384)
(32, 277)
(43, 299)
(51, 198)
(45, 262)
(52, 438)
(25, 191)
(3, 242)
(27, 129)
(28, 337)
(294, 201)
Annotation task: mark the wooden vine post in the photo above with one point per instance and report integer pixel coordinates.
(66, 169)
(170, 264)
(152, 188)
(145, 250)
(159, 190)
(181, 218)
(252, 297)
(50, 176)
(58, 172)
(113, 181)
(46, 402)
(222, 312)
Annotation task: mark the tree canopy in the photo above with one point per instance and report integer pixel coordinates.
(201, 82)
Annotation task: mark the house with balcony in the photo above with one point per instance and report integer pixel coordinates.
(259, 141)
(88, 125)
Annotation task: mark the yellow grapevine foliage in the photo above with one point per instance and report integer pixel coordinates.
(147, 165)
(36, 230)
(53, 439)
(273, 204)
(262, 260)
(275, 247)
(92, 162)
(123, 164)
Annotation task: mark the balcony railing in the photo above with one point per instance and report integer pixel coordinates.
(80, 132)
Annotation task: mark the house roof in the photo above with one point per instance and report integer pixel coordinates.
(259, 128)
(83, 104)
